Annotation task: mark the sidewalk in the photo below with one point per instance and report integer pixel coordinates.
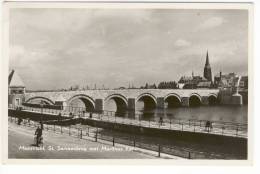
(219, 128)
(57, 146)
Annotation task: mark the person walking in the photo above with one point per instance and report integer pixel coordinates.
(208, 126)
(19, 121)
(161, 121)
(38, 134)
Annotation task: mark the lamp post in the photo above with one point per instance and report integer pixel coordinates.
(41, 105)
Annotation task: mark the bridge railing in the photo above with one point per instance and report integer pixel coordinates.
(96, 134)
(191, 125)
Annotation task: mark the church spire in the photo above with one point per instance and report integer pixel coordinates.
(207, 69)
(207, 59)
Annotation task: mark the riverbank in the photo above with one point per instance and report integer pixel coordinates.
(56, 146)
(186, 144)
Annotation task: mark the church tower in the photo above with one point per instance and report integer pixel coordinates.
(207, 69)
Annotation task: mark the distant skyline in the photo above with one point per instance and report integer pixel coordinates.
(58, 48)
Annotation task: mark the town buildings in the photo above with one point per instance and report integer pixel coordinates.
(16, 89)
(193, 82)
(230, 80)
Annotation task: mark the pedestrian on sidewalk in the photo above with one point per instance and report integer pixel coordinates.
(19, 121)
(208, 126)
(161, 121)
(38, 134)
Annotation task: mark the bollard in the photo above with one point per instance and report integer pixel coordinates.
(80, 133)
(96, 137)
(113, 141)
(189, 157)
(134, 141)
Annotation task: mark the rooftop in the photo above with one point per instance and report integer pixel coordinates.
(14, 80)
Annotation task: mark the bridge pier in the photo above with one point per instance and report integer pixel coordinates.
(62, 104)
(160, 102)
(185, 101)
(99, 105)
(204, 100)
(131, 104)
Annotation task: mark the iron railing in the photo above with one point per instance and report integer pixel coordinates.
(191, 125)
(95, 134)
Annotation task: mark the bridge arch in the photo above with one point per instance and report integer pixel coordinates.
(80, 101)
(39, 99)
(194, 100)
(149, 100)
(213, 99)
(120, 102)
(172, 100)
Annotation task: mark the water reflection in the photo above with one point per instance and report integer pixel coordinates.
(236, 114)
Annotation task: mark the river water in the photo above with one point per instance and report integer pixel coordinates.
(226, 113)
(235, 114)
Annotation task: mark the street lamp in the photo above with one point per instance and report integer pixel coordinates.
(41, 105)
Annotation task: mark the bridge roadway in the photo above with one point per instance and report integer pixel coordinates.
(198, 126)
(126, 99)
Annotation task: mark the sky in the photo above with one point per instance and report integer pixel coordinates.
(58, 48)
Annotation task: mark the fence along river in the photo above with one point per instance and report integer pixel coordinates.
(171, 121)
(190, 125)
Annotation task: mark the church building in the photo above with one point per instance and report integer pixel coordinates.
(207, 69)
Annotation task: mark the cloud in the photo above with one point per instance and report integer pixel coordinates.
(182, 43)
(62, 47)
(16, 51)
(211, 23)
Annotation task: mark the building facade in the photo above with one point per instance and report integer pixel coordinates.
(16, 90)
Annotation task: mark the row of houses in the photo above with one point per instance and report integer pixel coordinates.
(221, 81)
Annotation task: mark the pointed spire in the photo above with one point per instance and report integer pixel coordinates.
(10, 76)
(14, 80)
(207, 58)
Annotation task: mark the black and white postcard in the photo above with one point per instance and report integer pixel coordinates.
(163, 81)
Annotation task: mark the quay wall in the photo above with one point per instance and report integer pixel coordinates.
(185, 136)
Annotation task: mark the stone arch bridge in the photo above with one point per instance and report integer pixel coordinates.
(126, 99)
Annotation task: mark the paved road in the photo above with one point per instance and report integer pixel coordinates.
(56, 146)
